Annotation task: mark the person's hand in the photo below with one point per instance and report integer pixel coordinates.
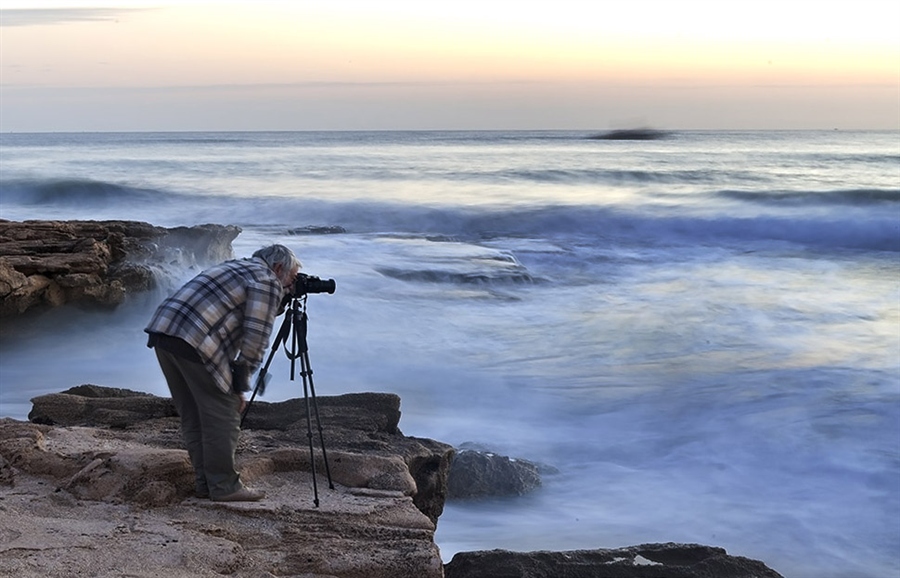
(243, 403)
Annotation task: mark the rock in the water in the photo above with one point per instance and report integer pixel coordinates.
(631, 134)
(645, 561)
(51, 263)
(475, 474)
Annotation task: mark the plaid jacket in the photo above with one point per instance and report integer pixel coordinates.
(226, 313)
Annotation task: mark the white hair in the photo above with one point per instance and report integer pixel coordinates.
(278, 255)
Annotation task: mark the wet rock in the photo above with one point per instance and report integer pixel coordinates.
(476, 474)
(645, 561)
(318, 230)
(95, 263)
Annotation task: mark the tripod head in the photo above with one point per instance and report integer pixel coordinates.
(295, 318)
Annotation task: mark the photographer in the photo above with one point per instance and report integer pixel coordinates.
(209, 337)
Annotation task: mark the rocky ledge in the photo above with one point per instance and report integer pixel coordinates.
(97, 483)
(96, 263)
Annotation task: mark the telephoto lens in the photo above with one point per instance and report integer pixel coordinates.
(306, 284)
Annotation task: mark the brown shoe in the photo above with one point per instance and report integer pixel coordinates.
(242, 495)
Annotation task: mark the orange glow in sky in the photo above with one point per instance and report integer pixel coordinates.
(465, 64)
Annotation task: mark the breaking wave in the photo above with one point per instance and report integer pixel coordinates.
(861, 197)
(865, 227)
(73, 192)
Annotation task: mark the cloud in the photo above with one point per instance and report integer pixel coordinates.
(45, 16)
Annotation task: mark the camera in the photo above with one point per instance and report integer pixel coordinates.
(309, 284)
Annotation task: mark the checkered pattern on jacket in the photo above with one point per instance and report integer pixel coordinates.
(226, 313)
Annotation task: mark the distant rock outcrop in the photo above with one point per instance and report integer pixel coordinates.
(98, 263)
(631, 134)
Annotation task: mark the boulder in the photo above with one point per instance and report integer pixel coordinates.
(644, 561)
(96, 263)
(477, 474)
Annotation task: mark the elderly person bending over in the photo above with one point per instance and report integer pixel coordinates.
(209, 337)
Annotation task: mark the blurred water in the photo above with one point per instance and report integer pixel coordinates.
(702, 334)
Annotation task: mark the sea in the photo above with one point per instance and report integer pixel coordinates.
(696, 337)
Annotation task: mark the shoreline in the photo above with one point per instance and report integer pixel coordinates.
(159, 505)
(97, 484)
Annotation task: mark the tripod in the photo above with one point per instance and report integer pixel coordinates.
(295, 317)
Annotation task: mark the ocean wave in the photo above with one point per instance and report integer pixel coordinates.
(831, 158)
(73, 192)
(832, 226)
(836, 197)
(600, 226)
(594, 176)
(568, 176)
(484, 277)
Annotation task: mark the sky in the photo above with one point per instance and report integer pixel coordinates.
(455, 65)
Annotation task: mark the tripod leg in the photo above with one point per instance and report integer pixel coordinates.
(312, 389)
(261, 378)
(299, 345)
(309, 435)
